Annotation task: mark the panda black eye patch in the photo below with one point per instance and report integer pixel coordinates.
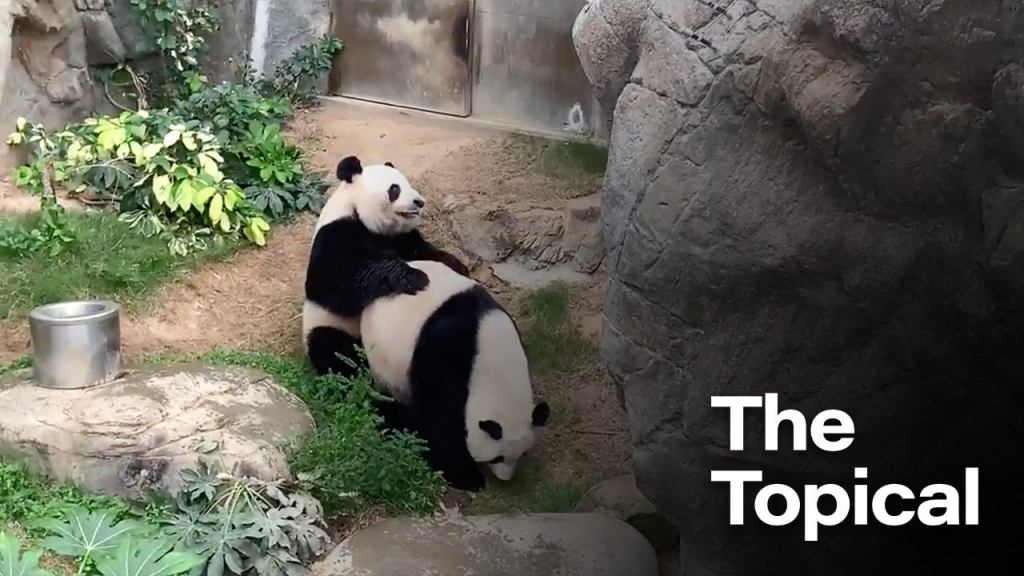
(394, 192)
(497, 460)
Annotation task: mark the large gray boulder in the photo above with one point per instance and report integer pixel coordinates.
(135, 434)
(824, 199)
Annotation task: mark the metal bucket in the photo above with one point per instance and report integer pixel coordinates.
(75, 344)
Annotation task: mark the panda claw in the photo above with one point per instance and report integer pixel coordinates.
(416, 281)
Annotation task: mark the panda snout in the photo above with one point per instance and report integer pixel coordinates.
(419, 203)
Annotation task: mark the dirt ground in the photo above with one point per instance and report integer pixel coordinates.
(254, 299)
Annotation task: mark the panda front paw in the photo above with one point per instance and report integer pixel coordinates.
(414, 281)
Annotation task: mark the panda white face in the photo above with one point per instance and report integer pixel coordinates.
(381, 195)
(386, 202)
(501, 447)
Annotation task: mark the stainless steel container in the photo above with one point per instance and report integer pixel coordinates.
(75, 344)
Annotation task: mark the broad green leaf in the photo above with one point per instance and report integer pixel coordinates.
(203, 196)
(171, 138)
(20, 124)
(254, 234)
(83, 533)
(14, 563)
(124, 150)
(216, 208)
(15, 138)
(189, 140)
(232, 197)
(259, 223)
(151, 150)
(225, 222)
(161, 188)
(149, 557)
(111, 137)
(186, 194)
(210, 167)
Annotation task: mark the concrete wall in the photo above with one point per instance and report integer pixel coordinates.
(526, 72)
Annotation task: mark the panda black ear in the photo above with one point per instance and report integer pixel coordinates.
(540, 414)
(389, 164)
(492, 428)
(348, 168)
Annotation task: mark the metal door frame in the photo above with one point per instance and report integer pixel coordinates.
(470, 70)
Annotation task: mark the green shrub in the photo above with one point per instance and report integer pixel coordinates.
(241, 525)
(298, 77)
(50, 234)
(348, 461)
(164, 171)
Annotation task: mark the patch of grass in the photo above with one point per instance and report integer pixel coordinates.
(527, 492)
(107, 259)
(349, 462)
(553, 344)
(576, 158)
(26, 498)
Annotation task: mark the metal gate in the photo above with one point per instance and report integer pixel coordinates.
(412, 53)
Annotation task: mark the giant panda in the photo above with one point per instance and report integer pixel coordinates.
(452, 362)
(367, 230)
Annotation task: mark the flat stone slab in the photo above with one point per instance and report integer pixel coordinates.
(494, 545)
(136, 433)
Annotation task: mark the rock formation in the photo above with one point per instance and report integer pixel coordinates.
(48, 47)
(824, 199)
(136, 434)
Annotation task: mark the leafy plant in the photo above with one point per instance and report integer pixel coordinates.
(297, 78)
(12, 366)
(165, 173)
(115, 547)
(14, 563)
(50, 234)
(147, 557)
(240, 525)
(178, 34)
(27, 499)
(266, 151)
(86, 535)
(231, 108)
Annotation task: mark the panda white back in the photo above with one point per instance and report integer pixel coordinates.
(390, 327)
(477, 339)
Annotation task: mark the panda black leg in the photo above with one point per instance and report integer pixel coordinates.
(325, 345)
(447, 453)
(396, 416)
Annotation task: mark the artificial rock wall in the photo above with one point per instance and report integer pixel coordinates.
(48, 48)
(824, 199)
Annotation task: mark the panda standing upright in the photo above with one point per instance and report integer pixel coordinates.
(366, 234)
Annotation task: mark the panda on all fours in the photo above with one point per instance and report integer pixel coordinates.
(451, 359)
(366, 234)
